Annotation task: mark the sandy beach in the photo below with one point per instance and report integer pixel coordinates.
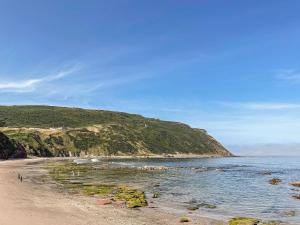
(32, 203)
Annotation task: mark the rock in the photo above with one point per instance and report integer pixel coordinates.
(156, 185)
(289, 213)
(134, 198)
(103, 201)
(193, 207)
(296, 197)
(10, 148)
(149, 168)
(275, 181)
(155, 195)
(184, 220)
(266, 173)
(295, 184)
(243, 221)
(207, 205)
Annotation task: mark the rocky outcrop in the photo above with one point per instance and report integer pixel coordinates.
(10, 149)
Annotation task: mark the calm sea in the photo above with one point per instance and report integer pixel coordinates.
(236, 186)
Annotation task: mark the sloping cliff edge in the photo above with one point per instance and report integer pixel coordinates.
(60, 131)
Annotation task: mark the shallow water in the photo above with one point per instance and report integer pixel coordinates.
(236, 186)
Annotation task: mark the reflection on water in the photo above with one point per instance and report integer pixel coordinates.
(236, 186)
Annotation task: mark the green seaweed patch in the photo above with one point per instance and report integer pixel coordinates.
(134, 198)
(243, 221)
(102, 189)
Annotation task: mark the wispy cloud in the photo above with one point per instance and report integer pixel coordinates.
(29, 85)
(291, 75)
(261, 105)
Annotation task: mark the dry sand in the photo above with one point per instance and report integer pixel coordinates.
(31, 203)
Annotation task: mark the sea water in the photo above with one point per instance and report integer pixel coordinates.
(237, 186)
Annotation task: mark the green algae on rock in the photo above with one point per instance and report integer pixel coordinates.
(184, 220)
(133, 197)
(243, 221)
(66, 174)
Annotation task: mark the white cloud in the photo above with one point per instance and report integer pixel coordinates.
(29, 85)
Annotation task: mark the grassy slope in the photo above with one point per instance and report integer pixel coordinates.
(101, 133)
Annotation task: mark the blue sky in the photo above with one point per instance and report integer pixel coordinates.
(231, 67)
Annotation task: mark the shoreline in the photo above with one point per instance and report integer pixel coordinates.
(31, 203)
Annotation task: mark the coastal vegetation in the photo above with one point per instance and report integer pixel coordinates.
(59, 131)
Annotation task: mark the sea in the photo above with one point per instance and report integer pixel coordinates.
(221, 187)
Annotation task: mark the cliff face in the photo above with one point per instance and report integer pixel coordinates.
(59, 131)
(10, 148)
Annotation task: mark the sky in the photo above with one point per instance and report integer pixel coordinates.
(230, 67)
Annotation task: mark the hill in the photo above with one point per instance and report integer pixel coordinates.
(62, 131)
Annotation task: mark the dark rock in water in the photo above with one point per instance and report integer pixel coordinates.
(275, 181)
(266, 173)
(296, 197)
(155, 195)
(193, 207)
(10, 149)
(289, 213)
(207, 205)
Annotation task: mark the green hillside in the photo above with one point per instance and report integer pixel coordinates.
(61, 131)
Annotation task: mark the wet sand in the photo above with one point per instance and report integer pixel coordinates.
(31, 203)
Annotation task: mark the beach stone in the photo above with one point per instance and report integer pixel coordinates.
(295, 184)
(103, 202)
(275, 181)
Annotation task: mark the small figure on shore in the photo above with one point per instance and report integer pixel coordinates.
(21, 179)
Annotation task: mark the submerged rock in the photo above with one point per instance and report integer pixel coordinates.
(162, 168)
(275, 181)
(193, 207)
(243, 221)
(155, 195)
(206, 205)
(289, 213)
(296, 197)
